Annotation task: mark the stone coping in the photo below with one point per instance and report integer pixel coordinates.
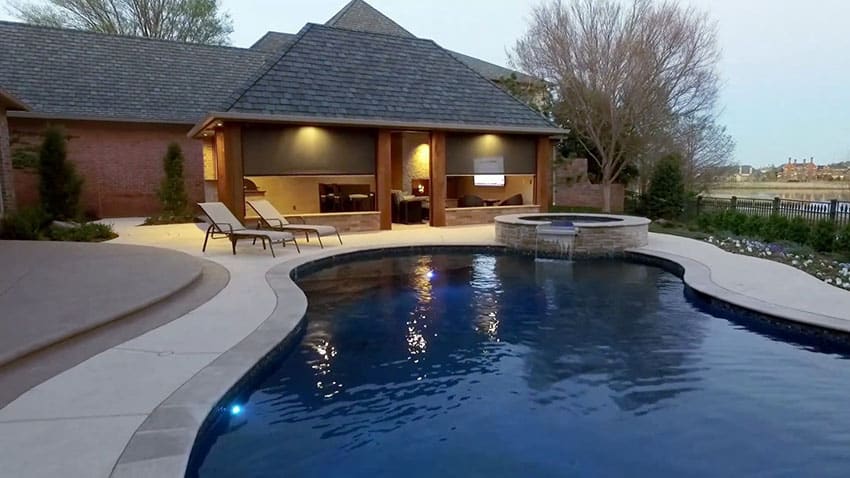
(697, 276)
(618, 220)
(162, 446)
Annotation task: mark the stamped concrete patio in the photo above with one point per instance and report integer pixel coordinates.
(80, 422)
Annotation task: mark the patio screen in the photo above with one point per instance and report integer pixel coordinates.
(307, 150)
(466, 153)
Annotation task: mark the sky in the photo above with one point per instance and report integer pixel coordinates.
(785, 64)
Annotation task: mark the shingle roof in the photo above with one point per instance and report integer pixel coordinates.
(276, 41)
(78, 74)
(273, 42)
(11, 103)
(359, 15)
(491, 71)
(336, 73)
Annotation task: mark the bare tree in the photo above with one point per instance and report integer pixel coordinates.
(706, 150)
(623, 73)
(196, 21)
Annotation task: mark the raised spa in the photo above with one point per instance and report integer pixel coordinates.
(597, 234)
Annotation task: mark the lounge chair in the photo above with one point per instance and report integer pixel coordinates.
(272, 219)
(224, 223)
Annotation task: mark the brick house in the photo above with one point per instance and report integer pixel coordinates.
(357, 104)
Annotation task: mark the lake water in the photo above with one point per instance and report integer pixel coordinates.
(820, 195)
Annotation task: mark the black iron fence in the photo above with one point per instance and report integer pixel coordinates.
(812, 211)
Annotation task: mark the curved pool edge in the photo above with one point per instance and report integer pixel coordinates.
(697, 276)
(163, 445)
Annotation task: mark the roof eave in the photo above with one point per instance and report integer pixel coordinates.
(199, 128)
(11, 103)
(107, 119)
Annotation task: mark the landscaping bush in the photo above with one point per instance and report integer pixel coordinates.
(842, 242)
(775, 228)
(798, 231)
(172, 191)
(88, 232)
(60, 185)
(822, 236)
(24, 225)
(666, 195)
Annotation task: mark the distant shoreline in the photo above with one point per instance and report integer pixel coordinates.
(776, 185)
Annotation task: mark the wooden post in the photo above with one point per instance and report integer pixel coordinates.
(833, 210)
(383, 179)
(543, 182)
(777, 206)
(438, 179)
(733, 203)
(228, 148)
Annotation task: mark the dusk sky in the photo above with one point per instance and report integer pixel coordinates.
(784, 68)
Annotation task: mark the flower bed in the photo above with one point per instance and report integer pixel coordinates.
(821, 266)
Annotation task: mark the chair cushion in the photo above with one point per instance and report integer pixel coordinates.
(320, 230)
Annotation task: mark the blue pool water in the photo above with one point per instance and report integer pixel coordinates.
(500, 366)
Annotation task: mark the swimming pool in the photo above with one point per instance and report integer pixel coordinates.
(499, 365)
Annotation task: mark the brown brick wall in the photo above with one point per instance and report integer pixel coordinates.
(120, 162)
(7, 188)
(463, 216)
(573, 189)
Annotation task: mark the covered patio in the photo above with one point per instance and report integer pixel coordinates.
(360, 176)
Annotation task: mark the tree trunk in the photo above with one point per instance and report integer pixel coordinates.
(606, 195)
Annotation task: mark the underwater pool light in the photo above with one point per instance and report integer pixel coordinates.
(235, 410)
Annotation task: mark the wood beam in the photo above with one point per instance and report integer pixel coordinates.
(228, 148)
(438, 179)
(543, 179)
(383, 179)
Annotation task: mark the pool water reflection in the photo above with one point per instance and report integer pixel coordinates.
(500, 366)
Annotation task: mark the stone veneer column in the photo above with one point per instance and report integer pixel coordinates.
(7, 183)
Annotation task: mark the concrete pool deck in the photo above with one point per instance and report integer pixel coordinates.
(80, 422)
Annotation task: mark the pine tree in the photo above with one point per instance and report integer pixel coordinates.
(172, 191)
(60, 185)
(666, 195)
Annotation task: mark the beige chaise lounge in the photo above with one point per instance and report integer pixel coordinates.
(271, 218)
(223, 222)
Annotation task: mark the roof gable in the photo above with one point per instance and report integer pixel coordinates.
(359, 15)
(335, 73)
(76, 74)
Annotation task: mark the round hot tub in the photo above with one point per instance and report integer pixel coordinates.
(596, 234)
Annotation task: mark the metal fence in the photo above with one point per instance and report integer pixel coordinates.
(813, 211)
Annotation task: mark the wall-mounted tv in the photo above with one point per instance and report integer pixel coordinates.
(489, 180)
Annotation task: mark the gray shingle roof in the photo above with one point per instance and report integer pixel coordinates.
(273, 42)
(491, 71)
(71, 73)
(359, 15)
(336, 73)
